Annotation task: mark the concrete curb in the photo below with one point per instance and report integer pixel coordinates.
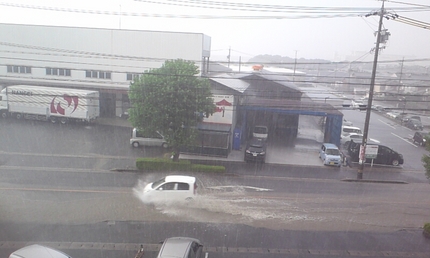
(374, 181)
(124, 169)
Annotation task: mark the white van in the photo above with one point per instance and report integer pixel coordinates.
(172, 188)
(38, 251)
(154, 139)
(260, 131)
(347, 130)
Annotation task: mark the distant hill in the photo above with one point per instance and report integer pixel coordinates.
(277, 60)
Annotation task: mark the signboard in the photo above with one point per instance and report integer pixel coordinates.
(371, 151)
(223, 113)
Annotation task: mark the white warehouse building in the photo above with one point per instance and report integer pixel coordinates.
(90, 58)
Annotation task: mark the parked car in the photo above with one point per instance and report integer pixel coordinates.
(378, 108)
(415, 117)
(385, 156)
(38, 251)
(256, 150)
(260, 131)
(420, 138)
(330, 155)
(402, 117)
(405, 117)
(174, 188)
(356, 137)
(347, 130)
(393, 114)
(139, 138)
(359, 104)
(347, 123)
(414, 124)
(181, 247)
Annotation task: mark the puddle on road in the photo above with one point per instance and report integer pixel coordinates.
(222, 203)
(229, 204)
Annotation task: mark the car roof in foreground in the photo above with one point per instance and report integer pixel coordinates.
(38, 251)
(179, 178)
(329, 145)
(176, 246)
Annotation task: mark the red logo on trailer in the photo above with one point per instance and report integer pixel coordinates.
(57, 108)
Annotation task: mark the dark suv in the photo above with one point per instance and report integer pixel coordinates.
(256, 150)
(414, 124)
(420, 138)
(385, 156)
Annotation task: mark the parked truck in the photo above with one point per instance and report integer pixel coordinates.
(61, 105)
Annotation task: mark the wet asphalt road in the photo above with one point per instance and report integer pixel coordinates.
(222, 239)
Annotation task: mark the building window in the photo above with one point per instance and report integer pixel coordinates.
(132, 76)
(18, 69)
(98, 74)
(58, 71)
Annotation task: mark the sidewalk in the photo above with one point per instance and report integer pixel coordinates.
(114, 121)
(304, 155)
(304, 152)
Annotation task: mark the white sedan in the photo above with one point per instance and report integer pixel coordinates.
(356, 137)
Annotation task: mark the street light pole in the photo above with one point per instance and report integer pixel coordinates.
(362, 155)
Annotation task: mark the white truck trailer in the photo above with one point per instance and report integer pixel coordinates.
(61, 105)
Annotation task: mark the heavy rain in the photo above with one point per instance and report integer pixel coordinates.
(202, 129)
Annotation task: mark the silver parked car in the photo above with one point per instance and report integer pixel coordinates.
(181, 247)
(154, 139)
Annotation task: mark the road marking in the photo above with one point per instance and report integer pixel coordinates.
(258, 189)
(61, 190)
(73, 170)
(387, 124)
(403, 139)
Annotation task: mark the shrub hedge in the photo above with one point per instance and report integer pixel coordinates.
(164, 164)
(427, 227)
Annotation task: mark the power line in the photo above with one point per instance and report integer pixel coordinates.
(399, 2)
(79, 53)
(409, 21)
(291, 12)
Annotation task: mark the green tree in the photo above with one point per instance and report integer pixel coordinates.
(170, 99)
(426, 158)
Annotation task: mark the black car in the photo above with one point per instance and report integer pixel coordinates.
(414, 124)
(256, 150)
(385, 156)
(420, 138)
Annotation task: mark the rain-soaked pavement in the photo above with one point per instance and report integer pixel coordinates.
(277, 210)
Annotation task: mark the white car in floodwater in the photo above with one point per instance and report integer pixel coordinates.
(174, 188)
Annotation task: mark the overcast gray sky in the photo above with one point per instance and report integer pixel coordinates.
(287, 26)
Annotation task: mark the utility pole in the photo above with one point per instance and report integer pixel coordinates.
(362, 154)
(400, 78)
(228, 57)
(295, 63)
